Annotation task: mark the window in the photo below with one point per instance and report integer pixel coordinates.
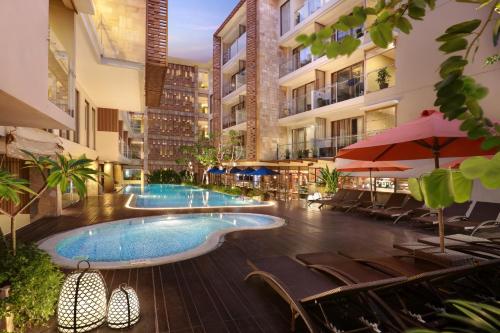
(94, 125)
(301, 56)
(76, 137)
(347, 131)
(354, 32)
(302, 98)
(87, 123)
(348, 83)
(285, 18)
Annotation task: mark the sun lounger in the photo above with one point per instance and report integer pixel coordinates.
(349, 196)
(364, 200)
(336, 197)
(454, 212)
(477, 250)
(483, 215)
(397, 213)
(309, 294)
(395, 200)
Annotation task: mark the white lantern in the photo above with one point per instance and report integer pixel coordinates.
(83, 301)
(123, 309)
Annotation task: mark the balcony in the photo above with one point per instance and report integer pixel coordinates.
(331, 94)
(59, 78)
(297, 61)
(309, 7)
(316, 148)
(235, 48)
(237, 81)
(236, 117)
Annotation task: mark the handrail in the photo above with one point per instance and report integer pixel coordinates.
(238, 45)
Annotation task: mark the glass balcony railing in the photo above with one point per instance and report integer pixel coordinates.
(381, 78)
(59, 78)
(237, 81)
(309, 7)
(238, 45)
(331, 94)
(297, 61)
(235, 118)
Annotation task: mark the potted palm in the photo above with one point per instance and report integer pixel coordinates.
(383, 77)
(330, 179)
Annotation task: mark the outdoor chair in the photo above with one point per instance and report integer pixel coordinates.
(479, 250)
(311, 294)
(351, 197)
(363, 201)
(312, 198)
(451, 213)
(338, 197)
(395, 200)
(398, 213)
(483, 215)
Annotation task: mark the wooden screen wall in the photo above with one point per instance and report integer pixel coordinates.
(107, 120)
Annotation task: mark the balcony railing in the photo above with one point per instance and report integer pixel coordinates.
(59, 77)
(381, 78)
(291, 65)
(238, 81)
(309, 7)
(331, 94)
(235, 118)
(238, 45)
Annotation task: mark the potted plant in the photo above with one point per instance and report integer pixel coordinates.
(305, 153)
(383, 77)
(287, 154)
(330, 178)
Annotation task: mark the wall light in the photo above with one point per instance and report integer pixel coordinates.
(82, 302)
(123, 310)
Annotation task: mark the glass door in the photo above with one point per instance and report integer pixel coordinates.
(347, 83)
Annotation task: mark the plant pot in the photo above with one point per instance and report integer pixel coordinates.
(383, 85)
(7, 322)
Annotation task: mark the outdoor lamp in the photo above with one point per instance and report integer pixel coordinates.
(123, 309)
(82, 301)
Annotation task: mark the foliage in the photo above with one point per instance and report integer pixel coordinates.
(457, 95)
(58, 172)
(187, 177)
(35, 283)
(224, 189)
(469, 316)
(330, 178)
(11, 187)
(383, 76)
(164, 176)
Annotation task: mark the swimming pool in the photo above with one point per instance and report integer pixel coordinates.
(166, 196)
(149, 241)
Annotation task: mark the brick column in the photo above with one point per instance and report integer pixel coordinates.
(251, 77)
(215, 124)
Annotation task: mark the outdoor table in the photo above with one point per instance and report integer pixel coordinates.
(433, 253)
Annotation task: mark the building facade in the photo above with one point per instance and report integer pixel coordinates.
(181, 117)
(291, 105)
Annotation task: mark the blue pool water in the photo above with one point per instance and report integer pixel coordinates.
(157, 239)
(158, 196)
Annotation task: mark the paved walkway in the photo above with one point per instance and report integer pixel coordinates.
(207, 293)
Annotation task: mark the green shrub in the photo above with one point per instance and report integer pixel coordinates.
(35, 284)
(166, 176)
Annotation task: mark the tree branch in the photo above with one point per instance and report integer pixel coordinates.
(476, 37)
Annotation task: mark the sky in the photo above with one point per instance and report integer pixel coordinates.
(191, 24)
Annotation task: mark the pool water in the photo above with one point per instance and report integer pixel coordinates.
(166, 196)
(150, 241)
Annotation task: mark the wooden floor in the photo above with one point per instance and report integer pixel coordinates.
(207, 293)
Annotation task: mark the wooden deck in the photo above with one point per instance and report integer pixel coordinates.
(207, 293)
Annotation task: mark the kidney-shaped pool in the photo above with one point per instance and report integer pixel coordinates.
(149, 241)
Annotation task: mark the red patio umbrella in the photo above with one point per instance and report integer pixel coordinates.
(363, 166)
(430, 136)
(455, 164)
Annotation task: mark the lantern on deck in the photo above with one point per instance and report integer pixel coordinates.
(123, 309)
(82, 302)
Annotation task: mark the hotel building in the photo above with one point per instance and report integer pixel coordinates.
(295, 109)
(181, 117)
(76, 79)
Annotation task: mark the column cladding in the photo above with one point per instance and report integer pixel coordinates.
(251, 77)
(215, 124)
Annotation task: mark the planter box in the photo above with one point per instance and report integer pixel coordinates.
(6, 323)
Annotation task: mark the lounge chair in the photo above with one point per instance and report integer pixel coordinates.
(474, 249)
(483, 215)
(350, 198)
(348, 195)
(309, 293)
(312, 198)
(337, 196)
(364, 200)
(397, 213)
(454, 212)
(395, 200)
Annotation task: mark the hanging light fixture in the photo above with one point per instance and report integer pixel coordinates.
(123, 310)
(82, 302)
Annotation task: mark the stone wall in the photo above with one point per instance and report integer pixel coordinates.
(252, 59)
(216, 107)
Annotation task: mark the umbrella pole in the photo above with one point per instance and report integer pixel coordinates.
(371, 187)
(440, 210)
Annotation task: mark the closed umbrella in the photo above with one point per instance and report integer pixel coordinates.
(430, 136)
(364, 166)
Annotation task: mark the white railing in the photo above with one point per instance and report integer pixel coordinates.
(309, 7)
(290, 65)
(59, 74)
(238, 45)
(381, 78)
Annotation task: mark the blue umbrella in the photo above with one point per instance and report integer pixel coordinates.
(235, 170)
(263, 171)
(247, 171)
(217, 171)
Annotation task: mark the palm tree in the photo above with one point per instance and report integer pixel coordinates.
(58, 172)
